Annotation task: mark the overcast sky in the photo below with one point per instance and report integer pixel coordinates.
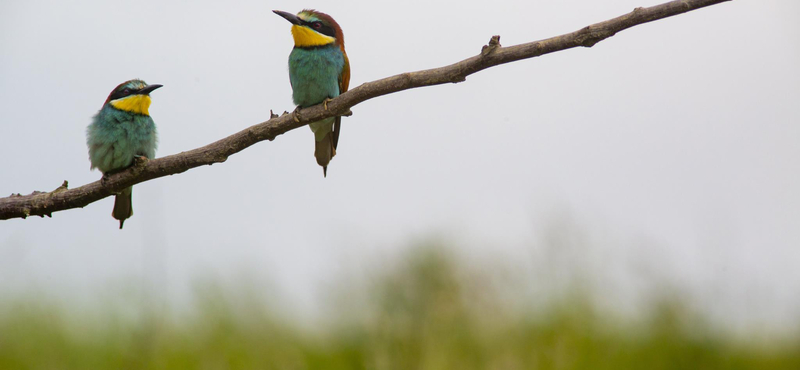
(671, 148)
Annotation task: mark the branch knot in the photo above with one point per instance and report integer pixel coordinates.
(494, 43)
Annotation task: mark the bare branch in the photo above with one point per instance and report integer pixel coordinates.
(45, 203)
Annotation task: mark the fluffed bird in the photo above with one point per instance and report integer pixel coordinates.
(318, 71)
(119, 132)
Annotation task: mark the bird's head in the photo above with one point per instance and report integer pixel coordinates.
(132, 96)
(312, 28)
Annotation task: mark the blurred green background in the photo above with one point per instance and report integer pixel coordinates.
(431, 310)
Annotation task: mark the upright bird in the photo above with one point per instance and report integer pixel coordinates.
(318, 71)
(120, 131)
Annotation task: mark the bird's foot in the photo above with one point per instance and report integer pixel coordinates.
(139, 160)
(325, 103)
(296, 114)
(104, 179)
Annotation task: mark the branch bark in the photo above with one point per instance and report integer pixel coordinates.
(45, 203)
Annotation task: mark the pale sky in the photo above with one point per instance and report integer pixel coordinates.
(670, 151)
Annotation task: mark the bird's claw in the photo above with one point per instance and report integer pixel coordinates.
(325, 103)
(296, 114)
(139, 160)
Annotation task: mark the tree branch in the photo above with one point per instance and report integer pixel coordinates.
(45, 203)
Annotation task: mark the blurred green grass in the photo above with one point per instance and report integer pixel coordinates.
(429, 312)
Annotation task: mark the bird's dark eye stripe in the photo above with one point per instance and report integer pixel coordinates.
(122, 93)
(322, 28)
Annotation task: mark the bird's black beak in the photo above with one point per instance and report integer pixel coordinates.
(148, 89)
(289, 17)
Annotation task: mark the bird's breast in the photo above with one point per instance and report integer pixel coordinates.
(314, 74)
(115, 137)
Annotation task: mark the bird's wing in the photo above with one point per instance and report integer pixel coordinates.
(344, 83)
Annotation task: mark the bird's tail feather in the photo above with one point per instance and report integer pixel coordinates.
(123, 207)
(324, 151)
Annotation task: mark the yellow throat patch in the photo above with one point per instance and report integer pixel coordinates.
(138, 104)
(305, 37)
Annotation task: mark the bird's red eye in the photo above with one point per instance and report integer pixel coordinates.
(316, 25)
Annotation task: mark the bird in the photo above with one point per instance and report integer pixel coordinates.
(318, 72)
(121, 131)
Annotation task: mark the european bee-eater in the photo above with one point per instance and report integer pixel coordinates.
(120, 131)
(318, 71)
